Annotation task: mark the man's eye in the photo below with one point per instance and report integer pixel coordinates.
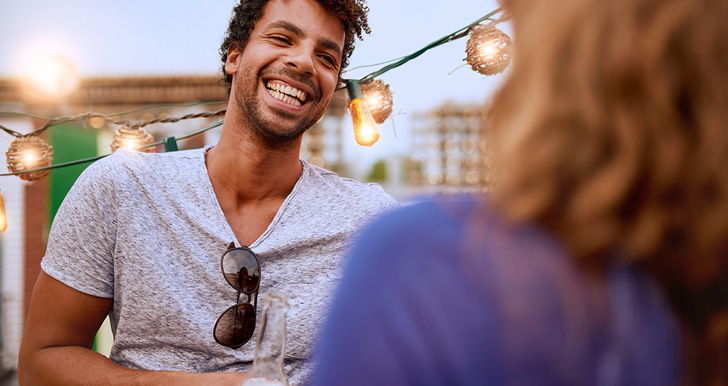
(281, 39)
(329, 59)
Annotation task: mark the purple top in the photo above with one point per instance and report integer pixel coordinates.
(445, 293)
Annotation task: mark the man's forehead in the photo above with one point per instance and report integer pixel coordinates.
(294, 29)
(295, 12)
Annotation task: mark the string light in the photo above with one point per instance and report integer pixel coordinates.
(97, 122)
(365, 129)
(132, 138)
(489, 58)
(3, 217)
(379, 99)
(27, 153)
(488, 50)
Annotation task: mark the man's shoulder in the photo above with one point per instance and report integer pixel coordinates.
(133, 158)
(130, 162)
(328, 184)
(327, 179)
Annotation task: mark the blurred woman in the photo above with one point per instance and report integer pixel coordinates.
(600, 256)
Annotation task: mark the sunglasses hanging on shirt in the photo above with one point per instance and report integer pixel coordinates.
(241, 269)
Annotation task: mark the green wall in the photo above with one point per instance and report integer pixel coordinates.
(70, 142)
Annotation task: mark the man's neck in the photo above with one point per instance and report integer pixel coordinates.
(251, 181)
(245, 170)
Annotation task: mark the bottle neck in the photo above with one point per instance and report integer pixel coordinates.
(270, 347)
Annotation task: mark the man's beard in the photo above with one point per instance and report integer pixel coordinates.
(264, 127)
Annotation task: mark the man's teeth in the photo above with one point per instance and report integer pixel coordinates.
(286, 94)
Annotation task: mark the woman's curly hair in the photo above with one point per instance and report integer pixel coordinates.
(611, 132)
(352, 13)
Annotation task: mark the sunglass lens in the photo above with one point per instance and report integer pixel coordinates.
(241, 269)
(235, 326)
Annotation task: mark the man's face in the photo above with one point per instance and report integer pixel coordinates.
(286, 74)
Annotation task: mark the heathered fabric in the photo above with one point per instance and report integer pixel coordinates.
(147, 231)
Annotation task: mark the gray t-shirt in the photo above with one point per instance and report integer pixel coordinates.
(147, 231)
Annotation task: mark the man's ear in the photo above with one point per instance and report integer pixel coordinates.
(233, 59)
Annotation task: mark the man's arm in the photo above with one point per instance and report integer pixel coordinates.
(58, 337)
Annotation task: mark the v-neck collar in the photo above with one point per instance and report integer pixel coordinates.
(221, 214)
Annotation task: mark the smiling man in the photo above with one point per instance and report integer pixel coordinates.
(142, 237)
(283, 78)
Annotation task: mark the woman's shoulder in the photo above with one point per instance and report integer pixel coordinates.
(427, 212)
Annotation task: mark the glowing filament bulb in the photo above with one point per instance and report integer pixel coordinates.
(374, 99)
(29, 158)
(130, 144)
(132, 138)
(488, 51)
(3, 217)
(379, 99)
(365, 129)
(27, 153)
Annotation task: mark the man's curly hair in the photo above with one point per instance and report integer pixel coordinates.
(353, 15)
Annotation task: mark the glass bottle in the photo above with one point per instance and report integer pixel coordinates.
(267, 369)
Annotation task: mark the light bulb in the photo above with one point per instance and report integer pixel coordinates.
(132, 144)
(26, 153)
(3, 217)
(132, 138)
(379, 99)
(29, 157)
(365, 129)
(374, 99)
(488, 49)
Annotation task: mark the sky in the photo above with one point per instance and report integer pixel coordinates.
(173, 37)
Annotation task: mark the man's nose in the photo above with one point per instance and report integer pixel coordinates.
(302, 60)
